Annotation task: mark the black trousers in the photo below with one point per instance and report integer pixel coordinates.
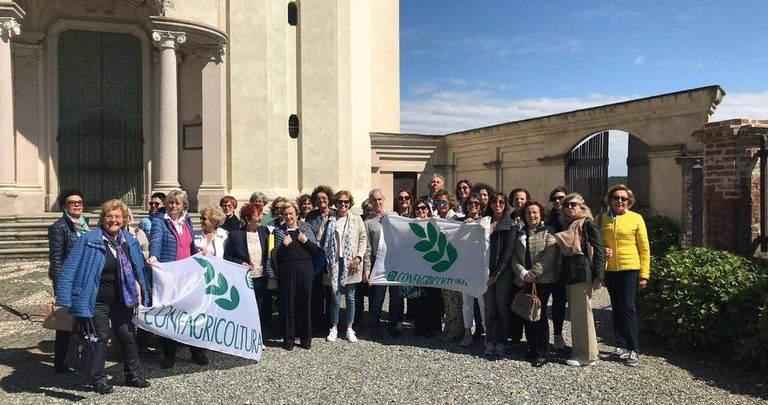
(395, 302)
(362, 291)
(622, 288)
(559, 299)
(497, 309)
(120, 316)
(515, 321)
(60, 348)
(295, 291)
(264, 306)
(428, 312)
(319, 305)
(537, 333)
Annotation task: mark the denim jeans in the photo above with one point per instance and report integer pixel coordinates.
(349, 293)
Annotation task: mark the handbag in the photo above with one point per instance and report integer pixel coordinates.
(86, 352)
(527, 306)
(58, 318)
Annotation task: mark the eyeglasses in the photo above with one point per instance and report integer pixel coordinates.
(202, 219)
(557, 198)
(154, 204)
(473, 203)
(258, 202)
(345, 202)
(619, 198)
(422, 208)
(227, 207)
(75, 203)
(572, 204)
(441, 203)
(403, 198)
(499, 202)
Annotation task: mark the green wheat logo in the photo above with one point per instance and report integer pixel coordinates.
(430, 239)
(220, 287)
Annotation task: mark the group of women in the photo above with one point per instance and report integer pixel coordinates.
(314, 250)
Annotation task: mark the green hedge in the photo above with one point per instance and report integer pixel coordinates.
(663, 234)
(702, 299)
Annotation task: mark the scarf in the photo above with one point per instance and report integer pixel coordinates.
(128, 281)
(332, 251)
(569, 240)
(81, 225)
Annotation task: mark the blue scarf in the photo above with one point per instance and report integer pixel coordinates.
(128, 284)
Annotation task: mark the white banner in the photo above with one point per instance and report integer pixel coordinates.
(205, 302)
(433, 252)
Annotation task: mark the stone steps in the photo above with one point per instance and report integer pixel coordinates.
(26, 236)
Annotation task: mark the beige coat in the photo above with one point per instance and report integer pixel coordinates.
(544, 254)
(359, 245)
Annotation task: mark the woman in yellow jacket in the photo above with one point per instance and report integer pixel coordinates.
(629, 266)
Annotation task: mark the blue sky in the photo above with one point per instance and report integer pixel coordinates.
(466, 64)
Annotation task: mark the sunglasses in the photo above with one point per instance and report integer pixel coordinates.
(154, 204)
(345, 202)
(557, 198)
(619, 198)
(227, 207)
(403, 198)
(74, 203)
(473, 203)
(202, 219)
(422, 208)
(441, 203)
(499, 202)
(572, 204)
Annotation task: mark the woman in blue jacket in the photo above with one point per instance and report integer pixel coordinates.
(101, 280)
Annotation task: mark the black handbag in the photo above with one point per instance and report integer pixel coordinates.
(86, 352)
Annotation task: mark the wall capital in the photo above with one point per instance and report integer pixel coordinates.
(213, 53)
(9, 27)
(168, 39)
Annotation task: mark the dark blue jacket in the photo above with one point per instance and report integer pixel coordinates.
(78, 282)
(236, 248)
(62, 237)
(162, 240)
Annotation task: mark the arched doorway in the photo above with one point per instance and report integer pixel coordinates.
(587, 170)
(100, 115)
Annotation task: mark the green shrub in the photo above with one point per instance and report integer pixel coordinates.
(685, 301)
(663, 234)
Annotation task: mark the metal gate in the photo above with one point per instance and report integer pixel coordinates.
(587, 171)
(638, 173)
(100, 116)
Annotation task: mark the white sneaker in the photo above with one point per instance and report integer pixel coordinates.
(620, 353)
(501, 349)
(332, 335)
(580, 363)
(559, 342)
(351, 337)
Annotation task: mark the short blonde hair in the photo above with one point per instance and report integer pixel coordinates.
(620, 187)
(340, 193)
(112, 205)
(584, 208)
(215, 215)
(291, 203)
(180, 195)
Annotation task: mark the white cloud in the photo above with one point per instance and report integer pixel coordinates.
(607, 10)
(444, 46)
(640, 60)
(422, 88)
(742, 105)
(444, 112)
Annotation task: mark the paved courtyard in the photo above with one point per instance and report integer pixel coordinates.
(410, 369)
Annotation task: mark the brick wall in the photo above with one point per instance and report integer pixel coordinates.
(731, 183)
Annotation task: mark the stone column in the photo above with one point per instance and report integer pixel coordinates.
(166, 158)
(214, 184)
(9, 27)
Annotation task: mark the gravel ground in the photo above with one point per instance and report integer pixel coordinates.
(410, 369)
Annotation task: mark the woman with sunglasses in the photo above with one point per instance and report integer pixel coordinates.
(428, 311)
(629, 266)
(463, 188)
(403, 203)
(344, 247)
(452, 329)
(582, 269)
(499, 283)
(474, 209)
(485, 192)
(210, 239)
(559, 299)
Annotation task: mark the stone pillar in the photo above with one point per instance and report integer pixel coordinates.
(214, 183)
(9, 27)
(166, 158)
